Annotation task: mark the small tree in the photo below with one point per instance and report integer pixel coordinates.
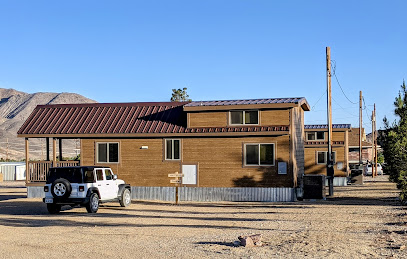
(180, 95)
(394, 141)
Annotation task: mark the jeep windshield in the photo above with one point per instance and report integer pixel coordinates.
(73, 175)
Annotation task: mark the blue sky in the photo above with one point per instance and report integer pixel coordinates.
(132, 51)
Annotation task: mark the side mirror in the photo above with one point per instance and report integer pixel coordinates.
(114, 177)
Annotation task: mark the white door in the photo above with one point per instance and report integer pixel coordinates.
(104, 185)
(190, 173)
(111, 185)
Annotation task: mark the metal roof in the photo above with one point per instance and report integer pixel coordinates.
(246, 102)
(105, 118)
(324, 126)
(120, 118)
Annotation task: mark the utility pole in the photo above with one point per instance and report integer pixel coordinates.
(373, 133)
(7, 151)
(375, 140)
(360, 131)
(329, 164)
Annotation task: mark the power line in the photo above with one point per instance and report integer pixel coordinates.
(337, 80)
(344, 109)
(318, 100)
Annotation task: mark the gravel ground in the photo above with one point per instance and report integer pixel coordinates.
(358, 222)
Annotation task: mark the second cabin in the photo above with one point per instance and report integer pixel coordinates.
(316, 146)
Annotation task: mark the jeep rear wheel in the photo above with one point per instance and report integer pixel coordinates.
(53, 208)
(125, 200)
(93, 205)
(61, 188)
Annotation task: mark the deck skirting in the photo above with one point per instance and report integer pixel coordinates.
(200, 194)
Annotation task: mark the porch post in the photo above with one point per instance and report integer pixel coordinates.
(27, 168)
(60, 149)
(54, 152)
(47, 143)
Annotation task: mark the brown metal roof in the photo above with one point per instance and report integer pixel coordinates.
(243, 102)
(250, 103)
(120, 118)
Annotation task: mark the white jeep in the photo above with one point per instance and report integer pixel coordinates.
(85, 186)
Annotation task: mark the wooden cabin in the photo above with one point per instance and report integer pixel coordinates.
(217, 144)
(316, 146)
(367, 148)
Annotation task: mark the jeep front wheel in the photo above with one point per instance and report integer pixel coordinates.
(53, 208)
(125, 200)
(93, 205)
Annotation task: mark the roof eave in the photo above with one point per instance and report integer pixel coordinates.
(156, 135)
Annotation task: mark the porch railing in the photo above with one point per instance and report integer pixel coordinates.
(37, 170)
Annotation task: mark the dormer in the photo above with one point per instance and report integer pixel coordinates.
(243, 113)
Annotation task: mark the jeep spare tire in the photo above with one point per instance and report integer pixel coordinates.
(61, 188)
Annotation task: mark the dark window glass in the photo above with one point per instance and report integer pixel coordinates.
(334, 157)
(266, 154)
(311, 136)
(88, 176)
(102, 152)
(99, 175)
(320, 135)
(73, 175)
(168, 149)
(172, 149)
(176, 145)
(236, 117)
(109, 175)
(252, 154)
(113, 152)
(321, 157)
(251, 117)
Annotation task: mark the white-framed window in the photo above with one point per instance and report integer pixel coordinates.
(318, 135)
(107, 152)
(172, 149)
(244, 117)
(322, 157)
(262, 154)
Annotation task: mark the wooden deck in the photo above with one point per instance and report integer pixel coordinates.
(37, 170)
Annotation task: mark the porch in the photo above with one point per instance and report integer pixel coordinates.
(36, 171)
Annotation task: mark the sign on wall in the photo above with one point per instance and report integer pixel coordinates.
(282, 167)
(190, 173)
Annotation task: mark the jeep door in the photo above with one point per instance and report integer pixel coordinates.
(104, 185)
(111, 184)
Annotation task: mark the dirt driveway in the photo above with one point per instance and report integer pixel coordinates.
(359, 222)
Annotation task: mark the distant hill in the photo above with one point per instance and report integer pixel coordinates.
(15, 107)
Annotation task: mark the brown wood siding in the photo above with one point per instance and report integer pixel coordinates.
(311, 166)
(207, 119)
(221, 118)
(275, 117)
(220, 162)
(338, 136)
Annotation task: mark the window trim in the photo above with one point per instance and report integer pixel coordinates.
(258, 145)
(244, 111)
(315, 135)
(172, 149)
(325, 157)
(107, 153)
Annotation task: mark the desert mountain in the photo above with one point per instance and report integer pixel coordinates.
(15, 107)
